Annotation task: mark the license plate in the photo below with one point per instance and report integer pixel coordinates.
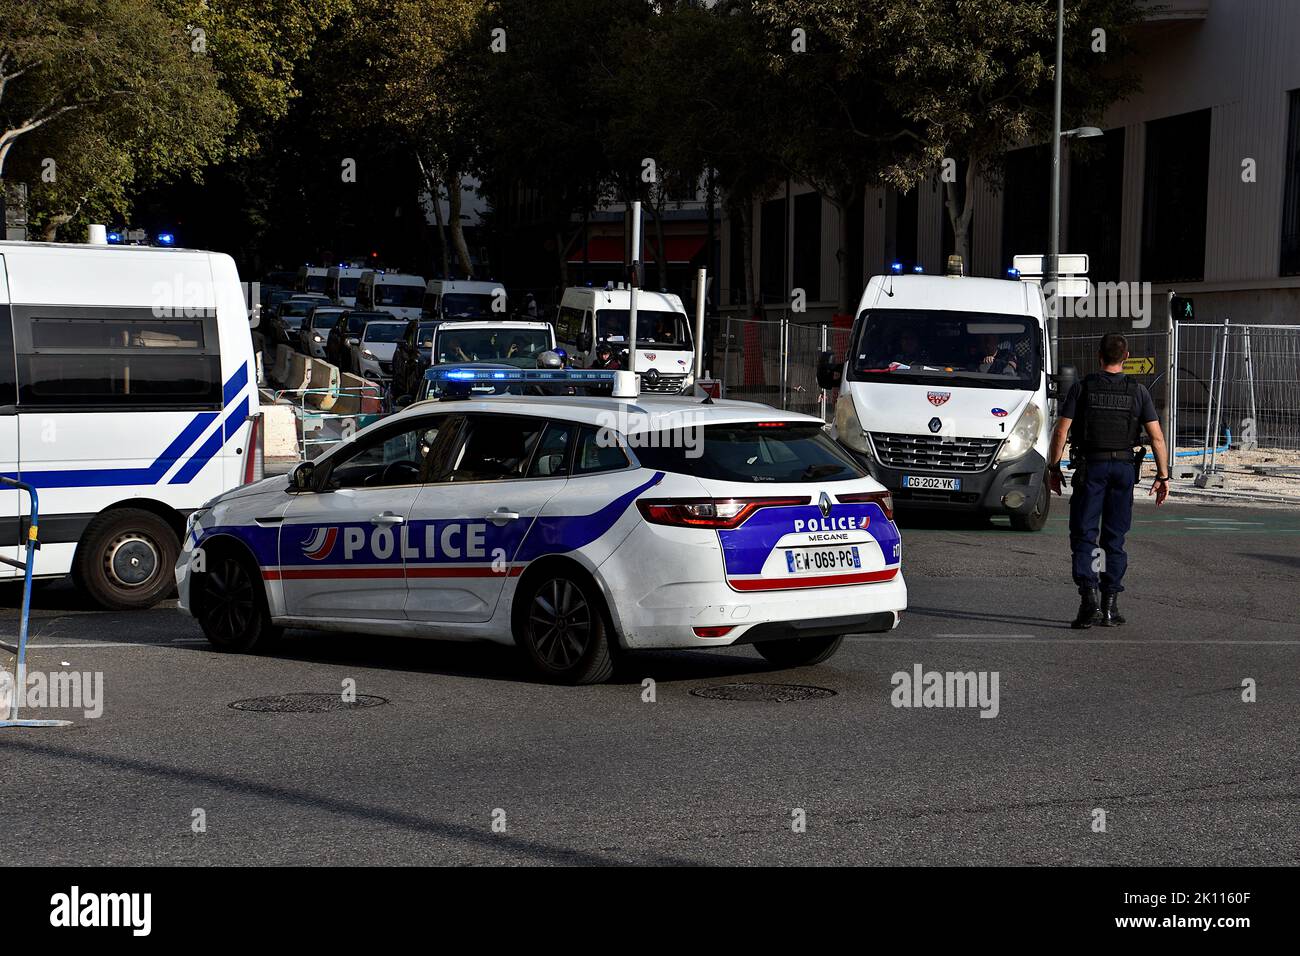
(822, 560)
(929, 483)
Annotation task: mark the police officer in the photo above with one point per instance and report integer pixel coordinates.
(1103, 417)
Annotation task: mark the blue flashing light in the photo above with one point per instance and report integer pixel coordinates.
(522, 376)
(1013, 273)
(166, 239)
(115, 237)
(918, 268)
(896, 268)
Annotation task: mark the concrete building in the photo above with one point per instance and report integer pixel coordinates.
(1195, 185)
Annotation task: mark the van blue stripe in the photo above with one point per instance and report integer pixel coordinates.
(174, 452)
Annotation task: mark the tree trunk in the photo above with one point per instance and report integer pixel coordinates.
(50, 231)
(457, 231)
(746, 208)
(960, 219)
(432, 184)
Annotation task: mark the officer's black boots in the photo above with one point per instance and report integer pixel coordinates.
(1089, 609)
(1110, 616)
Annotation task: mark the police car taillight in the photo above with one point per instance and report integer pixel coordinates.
(718, 513)
(882, 498)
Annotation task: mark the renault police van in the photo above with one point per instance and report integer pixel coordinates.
(393, 292)
(570, 526)
(944, 394)
(128, 399)
(341, 284)
(588, 317)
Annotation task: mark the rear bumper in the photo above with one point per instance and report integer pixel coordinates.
(1002, 488)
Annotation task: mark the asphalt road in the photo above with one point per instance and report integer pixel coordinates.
(1144, 722)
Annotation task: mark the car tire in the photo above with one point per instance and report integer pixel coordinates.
(127, 559)
(800, 651)
(561, 627)
(230, 604)
(1036, 519)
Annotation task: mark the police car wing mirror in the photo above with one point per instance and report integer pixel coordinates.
(1059, 385)
(829, 372)
(303, 476)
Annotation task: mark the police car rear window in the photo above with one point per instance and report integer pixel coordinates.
(761, 452)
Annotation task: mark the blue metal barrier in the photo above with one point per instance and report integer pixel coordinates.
(20, 651)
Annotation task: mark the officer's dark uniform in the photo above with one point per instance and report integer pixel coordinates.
(1107, 412)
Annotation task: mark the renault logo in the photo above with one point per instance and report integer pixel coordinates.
(935, 425)
(825, 505)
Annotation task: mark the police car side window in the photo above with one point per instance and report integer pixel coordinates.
(387, 458)
(553, 451)
(596, 452)
(495, 448)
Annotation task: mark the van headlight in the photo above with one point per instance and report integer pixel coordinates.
(848, 428)
(1024, 435)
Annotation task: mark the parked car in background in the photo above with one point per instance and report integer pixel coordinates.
(289, 316)
(316, 329)
(347, 328)
(372, 351)
(411, 358)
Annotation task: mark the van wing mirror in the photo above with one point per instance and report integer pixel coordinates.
(584, 342)
(1059, 385)
(830, 373)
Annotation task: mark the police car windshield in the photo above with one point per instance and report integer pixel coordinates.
(756, 452)
(466, 305)
(980, 349)
(511, 346)
(667, 330)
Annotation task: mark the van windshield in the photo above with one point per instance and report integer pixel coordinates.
(347, 286)
(512, 346)
(924, 347)
(467, 305)
(667, 330)
(402, 296)
(315, 283)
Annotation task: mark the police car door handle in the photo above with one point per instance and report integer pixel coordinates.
(502, 515)
(387, 518)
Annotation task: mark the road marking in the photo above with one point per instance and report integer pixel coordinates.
(179, 640)
(1029, 639)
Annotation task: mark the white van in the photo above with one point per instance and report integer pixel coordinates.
(312, 279)
(128, 399)
(944, 394)
(341, 284)
(465, 299)
(588, 317)
(393, 292)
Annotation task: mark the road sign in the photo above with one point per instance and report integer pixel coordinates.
(1067, 287)
(1067, 264)
(1145, 365)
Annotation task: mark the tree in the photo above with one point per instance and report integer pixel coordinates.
(976, 78)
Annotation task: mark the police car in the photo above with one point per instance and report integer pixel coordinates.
(573, 526)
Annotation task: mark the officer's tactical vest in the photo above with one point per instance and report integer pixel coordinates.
(1109, 410)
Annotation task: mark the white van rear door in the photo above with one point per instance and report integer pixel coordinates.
(13, 503)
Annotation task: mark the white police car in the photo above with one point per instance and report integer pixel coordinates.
(572, 526)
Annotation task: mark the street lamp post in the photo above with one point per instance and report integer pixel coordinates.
(1054, 234)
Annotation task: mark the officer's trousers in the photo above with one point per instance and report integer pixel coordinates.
(1103, 494)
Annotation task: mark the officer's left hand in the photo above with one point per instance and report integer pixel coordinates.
(1161, 490)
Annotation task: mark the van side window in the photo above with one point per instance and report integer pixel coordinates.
(568, 324)
(115, 357)
(8, 372)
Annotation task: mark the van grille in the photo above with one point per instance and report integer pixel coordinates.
(934, 452)
(667, 383)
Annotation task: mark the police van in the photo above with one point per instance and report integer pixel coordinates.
(393, 292)
(312, 279)
(944, 394)
(465, 299)
(588, 317)
(341, 284)
(571, 526)
(128, 399)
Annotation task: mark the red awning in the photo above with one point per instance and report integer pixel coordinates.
(607, 250)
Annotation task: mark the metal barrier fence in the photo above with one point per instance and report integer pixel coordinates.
(773, 361)
(320, 430)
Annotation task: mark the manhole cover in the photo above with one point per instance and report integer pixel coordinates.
(779, 693)
(306, 703)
